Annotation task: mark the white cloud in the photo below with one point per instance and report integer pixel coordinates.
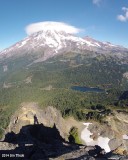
(49, 25)
(97, 2)
(124, 17)
(125, 9)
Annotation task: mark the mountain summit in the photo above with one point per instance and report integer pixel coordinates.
(48, 43)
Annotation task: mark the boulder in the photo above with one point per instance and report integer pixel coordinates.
(115, 143)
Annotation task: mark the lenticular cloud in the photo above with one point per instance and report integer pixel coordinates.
(57, 26)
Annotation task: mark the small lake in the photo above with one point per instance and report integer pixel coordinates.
(86, 89)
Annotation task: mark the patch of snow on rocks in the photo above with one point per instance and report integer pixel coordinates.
(101, 141)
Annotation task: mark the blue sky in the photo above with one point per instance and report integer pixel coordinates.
(104, 20)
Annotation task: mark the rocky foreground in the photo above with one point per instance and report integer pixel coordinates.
(37, 142)
(35, 134)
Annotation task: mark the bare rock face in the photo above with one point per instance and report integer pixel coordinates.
(24, 116)
(31, 113)
(113, 143)
(125, 142)
(102, 130)
(7, 146)
(119, 122)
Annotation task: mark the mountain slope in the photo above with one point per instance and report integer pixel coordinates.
(48, 43)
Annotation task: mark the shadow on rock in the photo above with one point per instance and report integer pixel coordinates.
(36, 142)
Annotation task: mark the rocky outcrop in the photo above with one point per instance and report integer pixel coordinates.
(44, 143)
(46, 130)
(119, 124)
(31, 113)
(113, 143)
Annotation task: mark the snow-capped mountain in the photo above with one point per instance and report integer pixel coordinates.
(48, 43)
(106, 46)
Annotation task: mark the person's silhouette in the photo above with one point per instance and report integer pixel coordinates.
(35, 119)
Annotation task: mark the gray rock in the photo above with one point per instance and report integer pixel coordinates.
(125, 142)
(115, 143)
(114, 157)
(30, 115)
(7, 146)
(124, 158)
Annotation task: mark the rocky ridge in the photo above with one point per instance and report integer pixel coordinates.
(43, 133)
